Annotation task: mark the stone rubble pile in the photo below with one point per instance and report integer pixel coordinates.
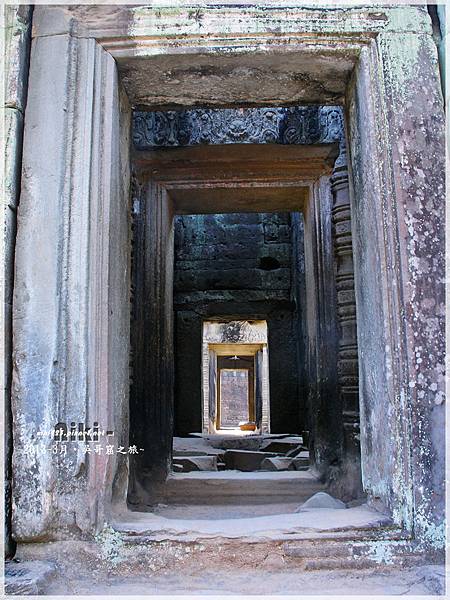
(240, 453)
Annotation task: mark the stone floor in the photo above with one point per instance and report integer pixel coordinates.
(269, 579)
(228, 532)
(421, 581)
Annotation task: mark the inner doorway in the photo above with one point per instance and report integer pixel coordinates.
(235, 380)
(235, 393)
(283, 192)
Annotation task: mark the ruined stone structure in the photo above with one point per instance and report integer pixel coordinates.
(138, 138)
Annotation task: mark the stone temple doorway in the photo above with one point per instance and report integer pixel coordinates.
(88, 68)
(235, 377)
(192, 203)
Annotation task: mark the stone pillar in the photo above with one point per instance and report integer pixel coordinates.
(17, 48)
(325, 412)
(397, 148)
(265, 423)
(347, 359)
(70, 307)
(151, 401)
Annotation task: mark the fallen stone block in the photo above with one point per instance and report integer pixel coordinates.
(247, 442)
(296, 451)
(321, 500)
(300, 464)
(193, 447)
(189, 452)
(302, 454)
(195, 463)
(277, 464)
(245, 460)
(282, 446)
(301, 461)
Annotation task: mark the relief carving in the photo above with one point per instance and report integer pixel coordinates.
(291, 125)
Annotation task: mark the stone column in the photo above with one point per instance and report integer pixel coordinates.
(17, 48)
(347, 359)
(325, 413)
(151, 401)
(70, 307)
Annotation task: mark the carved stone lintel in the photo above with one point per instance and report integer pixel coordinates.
(290, 125)
(346, 303)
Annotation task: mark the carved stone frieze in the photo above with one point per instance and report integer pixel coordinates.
(291, 125)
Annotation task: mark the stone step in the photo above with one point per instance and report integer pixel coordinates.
(364, 562)
(356, 549)
(251, 442)
(230, 487)
(321, 536)
(382, 530)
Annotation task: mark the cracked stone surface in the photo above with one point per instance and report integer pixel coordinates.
(27, 578)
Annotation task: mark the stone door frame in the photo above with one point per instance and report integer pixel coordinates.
(71, 297)
(249, 337)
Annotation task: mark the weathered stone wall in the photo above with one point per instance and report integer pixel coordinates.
(17, 47)
(236, 265)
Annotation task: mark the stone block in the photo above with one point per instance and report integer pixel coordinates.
(195, 463)
(296, 451)
(283, 447)
(302, 454)
(276, 463)
(245, 460)
(300, 463)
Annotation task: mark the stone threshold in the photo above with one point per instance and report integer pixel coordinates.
(309, 524)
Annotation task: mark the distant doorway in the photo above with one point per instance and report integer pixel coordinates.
(236, 393)
(235, 377)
